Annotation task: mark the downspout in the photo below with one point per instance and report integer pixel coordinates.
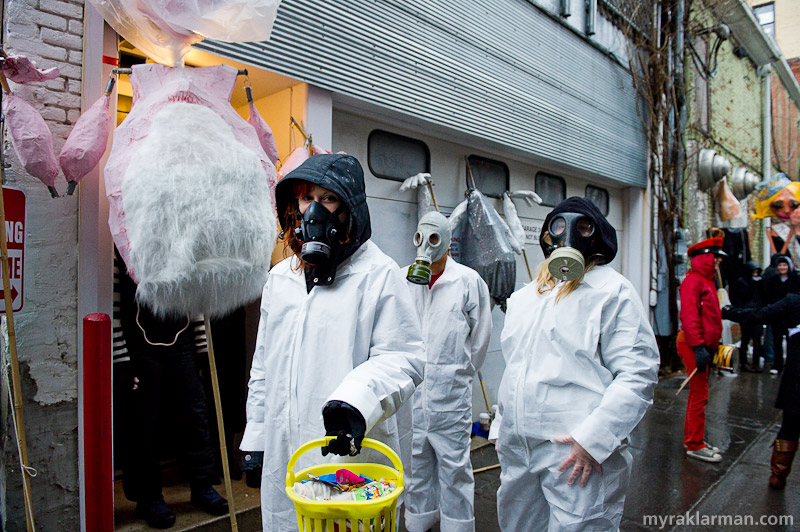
(765, 71)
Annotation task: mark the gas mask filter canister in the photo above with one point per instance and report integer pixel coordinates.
(571, 234)
(432, 241)
(319, 231)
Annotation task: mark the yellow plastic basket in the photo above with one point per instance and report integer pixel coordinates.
(342, 516)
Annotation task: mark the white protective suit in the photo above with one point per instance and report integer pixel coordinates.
(586, 367)
(457, 324)
(357, 340)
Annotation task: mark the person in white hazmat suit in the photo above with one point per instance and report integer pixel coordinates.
(581, 367)
(339, 346)
(453, 303)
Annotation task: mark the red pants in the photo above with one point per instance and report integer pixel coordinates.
(694, 426)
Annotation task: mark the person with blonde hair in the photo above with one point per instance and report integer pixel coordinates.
(581, 367)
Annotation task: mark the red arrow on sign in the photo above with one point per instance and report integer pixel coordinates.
(14, 293)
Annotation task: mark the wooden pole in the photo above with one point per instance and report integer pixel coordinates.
(433, 196)
(12, 348)
(686, 381)
(223, 450)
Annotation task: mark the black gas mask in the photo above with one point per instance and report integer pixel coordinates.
(320, 231)
(572, 236)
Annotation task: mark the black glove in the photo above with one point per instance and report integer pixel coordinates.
(702, 357)
(252, 463)
(347, 424)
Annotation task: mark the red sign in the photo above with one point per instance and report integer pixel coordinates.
(14, 204)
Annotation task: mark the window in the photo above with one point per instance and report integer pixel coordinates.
(552, 189)
(395, 157)
(598, 196)
(491, 177)
(765, 14)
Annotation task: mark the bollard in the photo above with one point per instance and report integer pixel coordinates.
(97, 445)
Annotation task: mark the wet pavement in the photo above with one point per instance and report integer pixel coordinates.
(671, 492)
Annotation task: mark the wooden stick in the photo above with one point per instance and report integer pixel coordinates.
(487, 468)
(4, 83)
(686, 381)
(433, 196)
(223, 450)
(527, 266)
(12, 348)
(485, 396)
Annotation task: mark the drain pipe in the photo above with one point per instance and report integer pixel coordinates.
(766, 142)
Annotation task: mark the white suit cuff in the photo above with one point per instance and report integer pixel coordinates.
(253, 439)
(362, 400)
(597, 441)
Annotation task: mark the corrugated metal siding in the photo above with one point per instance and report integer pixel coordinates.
(506, 73)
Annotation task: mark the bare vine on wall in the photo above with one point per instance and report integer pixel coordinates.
(656, 62)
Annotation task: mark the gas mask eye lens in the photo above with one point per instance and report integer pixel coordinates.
(434, 239)
(418, 239)
(585, 227)
(557, 226)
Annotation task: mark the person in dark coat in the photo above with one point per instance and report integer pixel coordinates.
(787, 310)
(776, 287)
(698, 339)
(746, 291)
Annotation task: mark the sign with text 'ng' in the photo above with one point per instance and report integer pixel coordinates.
(14, 203)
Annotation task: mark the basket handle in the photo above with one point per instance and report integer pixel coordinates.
(321, 442)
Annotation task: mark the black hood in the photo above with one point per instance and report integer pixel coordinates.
(341, 174)
(606, 244)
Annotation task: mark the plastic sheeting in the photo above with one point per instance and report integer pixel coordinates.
(485, 244)
(264, 132)
(424, 198)
(31, 139)
(20, 69)
(87, 141)
(165, 29)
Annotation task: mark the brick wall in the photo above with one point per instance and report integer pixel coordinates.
(50, 32)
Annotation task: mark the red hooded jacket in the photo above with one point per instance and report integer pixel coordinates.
(701, 317)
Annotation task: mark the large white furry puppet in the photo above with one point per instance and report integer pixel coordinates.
(191, 193)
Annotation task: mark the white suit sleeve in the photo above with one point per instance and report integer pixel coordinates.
(253, 439)
(628, 349)
(396, 359)
(480, 321)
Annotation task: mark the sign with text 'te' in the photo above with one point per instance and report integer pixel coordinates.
(14, 204)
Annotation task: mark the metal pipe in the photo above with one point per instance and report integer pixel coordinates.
(97, 445)
(591, 17)
(765, 72)
(240, 72)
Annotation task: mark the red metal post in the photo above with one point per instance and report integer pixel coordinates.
(98, 466)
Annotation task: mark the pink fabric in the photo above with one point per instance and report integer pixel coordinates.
(298, 157)
(31, 139)
(20, 69)
(87, 141)
(155, 86)
(264, 133)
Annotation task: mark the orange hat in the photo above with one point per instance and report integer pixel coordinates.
(710, 245)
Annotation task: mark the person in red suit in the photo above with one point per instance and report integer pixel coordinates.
(698, 339)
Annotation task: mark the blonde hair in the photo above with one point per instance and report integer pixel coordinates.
(546, 282)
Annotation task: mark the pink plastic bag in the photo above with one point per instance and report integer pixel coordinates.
(32, 140)
(20, 69)
(263, 131)
(87, 141)
(298, 157)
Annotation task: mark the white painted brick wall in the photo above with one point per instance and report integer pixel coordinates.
(49, 32)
